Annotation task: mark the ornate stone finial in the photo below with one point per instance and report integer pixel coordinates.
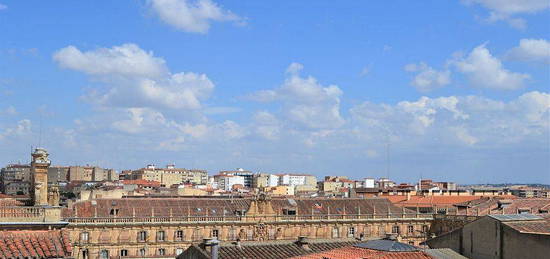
(40, 156)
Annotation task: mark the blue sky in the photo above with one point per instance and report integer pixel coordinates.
(459, 90)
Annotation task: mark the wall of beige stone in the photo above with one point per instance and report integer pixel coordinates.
(109, 236)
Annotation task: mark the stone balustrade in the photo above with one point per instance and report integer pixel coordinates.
(275, 218)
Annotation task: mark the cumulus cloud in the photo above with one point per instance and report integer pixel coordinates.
(466, 120)
(305, 101)
(427, 78)
(534, 50)
(125, 60)
(506, 10)
(136, 78)
(10, 111)
(190, 15)
(22, 127)
(486, 71)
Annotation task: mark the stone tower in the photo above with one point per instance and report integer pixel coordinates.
(39, 177)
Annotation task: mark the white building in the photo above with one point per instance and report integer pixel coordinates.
(297, 179)
(226, 182)
(272, 180)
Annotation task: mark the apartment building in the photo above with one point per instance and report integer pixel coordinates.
(91, 174)
(168, 176)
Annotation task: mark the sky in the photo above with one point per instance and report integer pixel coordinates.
(447, 90)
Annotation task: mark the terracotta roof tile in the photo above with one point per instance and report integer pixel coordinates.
(351, 252)
(35, 243)
(216, 206)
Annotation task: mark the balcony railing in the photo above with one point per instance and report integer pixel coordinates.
(278, 218)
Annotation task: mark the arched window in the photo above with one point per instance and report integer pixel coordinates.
(123, 253)
(104, 254)
(142, 252)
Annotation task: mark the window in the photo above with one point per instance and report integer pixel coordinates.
(179, 251)
(113, 212)
(123, 252)
(142, 236)
(232, 234)
(411, 243)
(85, 254)
(161, 236)
(289, 212)
(215, 233)
(351, 232)
(395, 229)
(162, 251)
(84, 237)
(103, 254)
(410, 229)
(142, 252)
(335, 232)
(179, 235)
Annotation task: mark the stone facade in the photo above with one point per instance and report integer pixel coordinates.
(119, 227)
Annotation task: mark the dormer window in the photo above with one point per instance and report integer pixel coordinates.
(289, 211)
(113, 212)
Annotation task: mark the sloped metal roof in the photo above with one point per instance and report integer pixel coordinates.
(514, 217)
(444, 253)
(387, 245)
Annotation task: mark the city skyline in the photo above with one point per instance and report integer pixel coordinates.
(320, 88)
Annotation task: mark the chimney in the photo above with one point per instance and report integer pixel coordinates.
(210, 245)
(303, 242)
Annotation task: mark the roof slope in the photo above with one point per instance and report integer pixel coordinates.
(35, 244)
(127, 207)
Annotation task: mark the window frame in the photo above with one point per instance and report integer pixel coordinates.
(142, 236)
(161, 236)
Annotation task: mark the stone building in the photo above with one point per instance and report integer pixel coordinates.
(15, 179)
(167, 176)
(91, 174)
(165, 227)
(502, 236)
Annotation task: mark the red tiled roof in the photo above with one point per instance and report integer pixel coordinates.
(35, 244)
(428, 201)
(142, 182)
(531, 227)
(351, 252)
(512, 205)
(216, 206)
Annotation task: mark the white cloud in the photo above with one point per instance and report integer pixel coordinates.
(126, 60)
(305, 101)
(506, 9)
(136, 79)
(456, 120)
(537, 50)
(486, 71)
(3, 7)
(192, 16)
(10, 111)
(428, 78)
(23, 127)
